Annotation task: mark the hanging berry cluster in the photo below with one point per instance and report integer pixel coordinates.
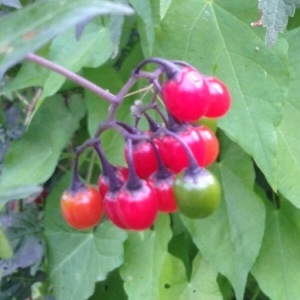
(166, 165)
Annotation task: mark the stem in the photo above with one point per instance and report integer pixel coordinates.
(169, 67)
(108, 170)
(106, 95)
(162, 171)
(134, 182)
(152, 124)
(193, 165)
(76, 182)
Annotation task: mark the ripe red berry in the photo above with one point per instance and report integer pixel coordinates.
(219, 98)
(82, 209)
(211, 145)
(103, 180)
(144, 159)
(173, 153)
(186, 95)
(164, 191)
(132, 209)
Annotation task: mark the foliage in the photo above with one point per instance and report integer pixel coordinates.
(249, 248)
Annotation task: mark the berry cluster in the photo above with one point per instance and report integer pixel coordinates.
(166, 164)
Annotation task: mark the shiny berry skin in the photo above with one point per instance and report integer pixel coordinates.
(82, 209)
(211, 148)
(137, 208)
(186, 95)
(164, 191)
(144, 159)
(103, 181)
(219, 97)
(173, 153)
(112, 210)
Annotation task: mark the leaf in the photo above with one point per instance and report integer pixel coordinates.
(145, 252)
(230, 239)
(277, 268)
(144, 11)
(36, 24)
(275, 16)
(112, 141)
(78, 259)
(163, 7)
(288, 149)
(174, 284)
(20, 192)
(31, 160)
(216, 37)
(72, 54)
(6, 251)
(11, 3)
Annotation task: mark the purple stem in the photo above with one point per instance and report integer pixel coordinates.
(106, 95)
(193, 165)
(76, 182)
(108, 170)
(134, 182)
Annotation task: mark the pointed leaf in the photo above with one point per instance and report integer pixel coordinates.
(277, 269)
(72, 54)
(288, 150)
(275, 16)
(216, 37)
(202, 285)
(32, 159)
(6, 251)
(78, 259)
(144, 11)
(145, 252)
(163, 7)
(34, 25)
(230, 239)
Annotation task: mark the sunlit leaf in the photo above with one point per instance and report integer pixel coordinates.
(32, 160)
(78, 259)
(36, 24)
(230, 239)
(277, 268)
(216, 37)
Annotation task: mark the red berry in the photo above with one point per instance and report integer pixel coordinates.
(173, 153)
(144, 159)
(133, 209)
(186, 96)
(211, 145)
(219, 98)
(112, 210)
(164, 191)
(103, 181)
(82, 209)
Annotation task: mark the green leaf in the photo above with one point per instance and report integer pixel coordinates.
(78, 259)
(230, 239)
(19, 192)
(112, 141)
(163, 7)
(145, 253)
(11, 3)
(32, 159)
(216, 37)
(275, 16)
(36, 24)
(66, 51)
(144, 11)
(277, 268)
(6, 250)
(288, 150)
(202, 286)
